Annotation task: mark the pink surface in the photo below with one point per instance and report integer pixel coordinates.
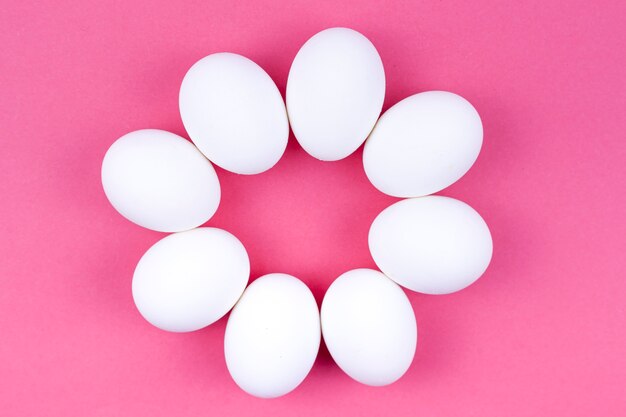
(542, 333)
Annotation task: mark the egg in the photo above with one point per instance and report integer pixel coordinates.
(433, 245)
(234, 113)
(335, 92)
(160, 181)
(369, 327)
(272, 336)
(423, 144)
(191, 279)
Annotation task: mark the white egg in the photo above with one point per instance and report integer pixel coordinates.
(369, 327)
(160, 181)
(234, 113)
(423, 144)
(335, 93)
(272, 336)
(191, 279)
(433, 245)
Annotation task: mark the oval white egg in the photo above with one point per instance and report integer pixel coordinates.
(423, 144)
(335, 92)
(160, 181)
(369, 327)
(433, 245)
(272, 336)
(234, 113)
(191, 279)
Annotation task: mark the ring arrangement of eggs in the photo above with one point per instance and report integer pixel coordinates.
(236, 118)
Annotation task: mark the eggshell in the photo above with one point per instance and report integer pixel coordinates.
(423, 144)
(335, 93)
(433, 245)
(160, 181)
(189, 280)
(369, 327)
(272, 336)
(234, 113)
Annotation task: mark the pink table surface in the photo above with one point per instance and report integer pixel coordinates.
(542, 333)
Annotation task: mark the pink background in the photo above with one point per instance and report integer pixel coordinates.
(542, 333)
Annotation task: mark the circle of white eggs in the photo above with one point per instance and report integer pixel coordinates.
(236, 118)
